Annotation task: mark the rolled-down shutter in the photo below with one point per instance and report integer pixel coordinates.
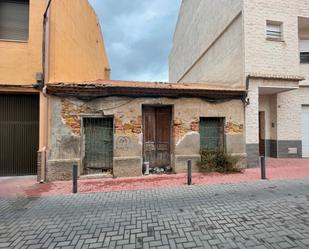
(304, 51)
(304, 46)
(14, 19)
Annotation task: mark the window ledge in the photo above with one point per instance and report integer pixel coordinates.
(17, 41)
(274, 39)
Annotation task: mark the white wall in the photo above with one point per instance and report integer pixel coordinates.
(268, 104)
(304, 71)
(199, 25)
(272, 57)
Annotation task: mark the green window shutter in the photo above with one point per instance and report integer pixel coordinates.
(212, 133)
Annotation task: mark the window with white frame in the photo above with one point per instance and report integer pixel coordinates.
(14, 20)
(304, 51)
(274, 31)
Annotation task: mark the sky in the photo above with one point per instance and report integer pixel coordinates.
(138, 36)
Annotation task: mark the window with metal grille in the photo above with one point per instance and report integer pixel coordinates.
(212, 133)
(304, 51)
(98, 142)
(14, 20)
(274, 31)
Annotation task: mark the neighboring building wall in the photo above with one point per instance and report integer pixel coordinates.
(275, 58)
(77, 51)
(21, 60)
(289, 121)
(304, 71)
(65, 132)
(208, 42)
(272, 57)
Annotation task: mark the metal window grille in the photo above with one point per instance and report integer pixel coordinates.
(98, 142)
(212, 133)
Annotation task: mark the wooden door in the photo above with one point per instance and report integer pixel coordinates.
(157, 135)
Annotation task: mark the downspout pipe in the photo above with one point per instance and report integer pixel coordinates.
(247, 100)
(45, 19)
(44, 103)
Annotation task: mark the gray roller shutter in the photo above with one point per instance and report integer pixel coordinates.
(14, 19)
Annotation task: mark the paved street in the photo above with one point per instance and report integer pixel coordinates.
(271, 214)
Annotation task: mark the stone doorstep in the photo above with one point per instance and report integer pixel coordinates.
(95, 176)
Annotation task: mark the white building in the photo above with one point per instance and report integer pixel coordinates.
(261, 45)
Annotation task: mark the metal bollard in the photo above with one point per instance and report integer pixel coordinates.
(189, 172)
(263, 168)
(146, 165)
(74, 179)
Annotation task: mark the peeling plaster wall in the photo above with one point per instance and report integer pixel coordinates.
(66, 143)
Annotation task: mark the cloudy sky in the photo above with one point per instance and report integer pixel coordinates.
(138, 36)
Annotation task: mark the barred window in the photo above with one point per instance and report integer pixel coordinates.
(212, 133)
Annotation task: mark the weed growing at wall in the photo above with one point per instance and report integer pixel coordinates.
(218, 161)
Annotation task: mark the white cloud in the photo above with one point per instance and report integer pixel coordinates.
(138, 36)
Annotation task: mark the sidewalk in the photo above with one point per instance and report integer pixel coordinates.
(277, 169)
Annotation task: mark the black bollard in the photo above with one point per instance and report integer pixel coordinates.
(263, 168)
(189, 172)
(74, 179)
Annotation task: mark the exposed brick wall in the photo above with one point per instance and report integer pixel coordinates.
(233, 128)
(181, 128)
(134, 126)
(71, 112)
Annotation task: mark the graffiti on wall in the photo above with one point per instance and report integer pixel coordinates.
(123, 143)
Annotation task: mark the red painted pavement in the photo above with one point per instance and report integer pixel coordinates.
(277, 169)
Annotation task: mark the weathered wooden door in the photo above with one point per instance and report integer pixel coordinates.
(98, 136)
(157, 135)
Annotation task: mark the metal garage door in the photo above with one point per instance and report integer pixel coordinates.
(19, 134)
(305, 130)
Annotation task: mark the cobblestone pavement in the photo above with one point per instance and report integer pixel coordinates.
(257, 215)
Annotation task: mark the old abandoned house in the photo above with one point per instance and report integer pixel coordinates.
(119, 125)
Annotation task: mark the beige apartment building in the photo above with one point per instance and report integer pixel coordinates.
(258, 45)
